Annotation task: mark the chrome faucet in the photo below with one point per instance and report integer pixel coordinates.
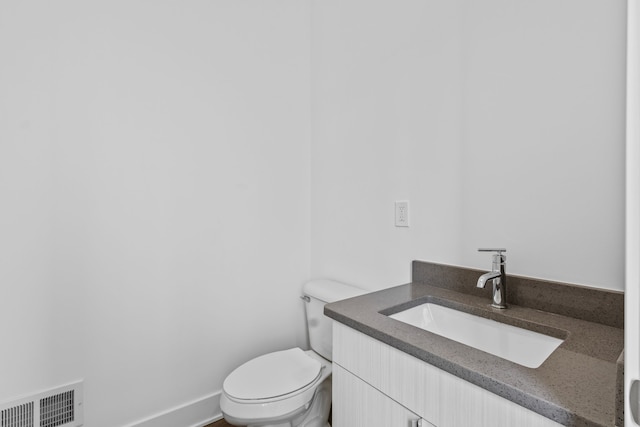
(499, 277)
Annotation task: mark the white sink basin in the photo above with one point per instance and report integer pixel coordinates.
(518, 345)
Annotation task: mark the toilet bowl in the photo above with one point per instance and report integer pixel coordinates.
(286, 388)
(289, 388)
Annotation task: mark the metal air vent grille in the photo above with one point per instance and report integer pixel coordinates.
(57, 410)
(17, 416)
(59, 407)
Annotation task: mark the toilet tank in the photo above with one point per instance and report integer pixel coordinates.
(320, 327)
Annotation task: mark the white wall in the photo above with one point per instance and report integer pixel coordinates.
(156, 182)
(632, 221)
(502, 122)
(154, 187)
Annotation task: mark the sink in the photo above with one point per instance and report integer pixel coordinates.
(521, 346)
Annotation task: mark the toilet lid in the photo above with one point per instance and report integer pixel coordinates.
(272, 375)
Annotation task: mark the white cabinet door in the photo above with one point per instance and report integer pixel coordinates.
(357, 404)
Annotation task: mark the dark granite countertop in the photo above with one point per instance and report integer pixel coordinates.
(575, 386)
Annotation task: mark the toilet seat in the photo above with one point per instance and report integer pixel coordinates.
(271, 377)
(249, 411)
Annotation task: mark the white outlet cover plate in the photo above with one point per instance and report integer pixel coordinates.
(402, 213)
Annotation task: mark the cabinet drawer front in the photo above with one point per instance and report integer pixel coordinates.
(357, 404)
(439, 397)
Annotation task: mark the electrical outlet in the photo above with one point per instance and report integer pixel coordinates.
(402, 213)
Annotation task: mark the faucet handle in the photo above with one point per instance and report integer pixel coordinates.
(497, 257)
(497, 250)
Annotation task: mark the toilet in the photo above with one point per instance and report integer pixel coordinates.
(289, 388)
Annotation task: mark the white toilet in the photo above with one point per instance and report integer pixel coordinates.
(289, 388)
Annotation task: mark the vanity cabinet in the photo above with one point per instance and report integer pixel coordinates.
(367, 406)
(378, 385)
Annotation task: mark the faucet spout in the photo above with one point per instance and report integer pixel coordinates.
(482, 280)
(499, 278)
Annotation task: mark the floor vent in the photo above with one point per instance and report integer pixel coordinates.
(59, 407)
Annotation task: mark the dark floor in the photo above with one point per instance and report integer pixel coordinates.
(221, 423)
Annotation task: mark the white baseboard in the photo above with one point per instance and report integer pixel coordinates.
(196, 413)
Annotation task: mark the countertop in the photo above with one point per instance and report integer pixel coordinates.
(575, 386)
